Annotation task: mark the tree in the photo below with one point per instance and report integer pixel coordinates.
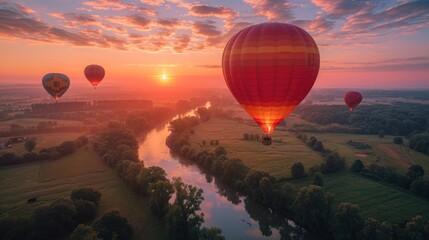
(203, 113)
(246, 136)
(420, 187)
(160, 194)
(219, 151)
(357, 166)
(348, 222)
(373, 229)
(83, 232)
(150, 176)
(30, 144)
(233, 170)
(398, 140)
(88, 194)
(313, 170)
(313, 208)
(417, 228)
(183, 218)
(67, 147)
(297, 170)
(212, 233)
(85, 210)
(57, 220)
(16, 228)
(332, 163)
(111, 224)
(415, 171)
(381, 133)
(318, 179)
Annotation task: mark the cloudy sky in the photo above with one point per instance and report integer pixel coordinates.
(363, 44)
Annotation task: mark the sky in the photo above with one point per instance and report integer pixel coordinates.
(179, 43)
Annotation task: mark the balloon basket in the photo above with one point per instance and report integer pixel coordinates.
(266, 139)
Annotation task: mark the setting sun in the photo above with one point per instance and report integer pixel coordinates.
(164, 78)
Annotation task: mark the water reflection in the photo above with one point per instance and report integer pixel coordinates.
(223, 207)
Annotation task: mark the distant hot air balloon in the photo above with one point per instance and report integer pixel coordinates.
(56, 84)
(352, 99)
(94, 73)
(270, 68)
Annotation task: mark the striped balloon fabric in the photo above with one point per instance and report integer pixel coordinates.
(270, 68)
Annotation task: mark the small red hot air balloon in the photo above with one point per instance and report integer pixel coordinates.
(94, 73)
(352, 99)
(270, 68)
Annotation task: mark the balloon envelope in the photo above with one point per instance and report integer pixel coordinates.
(270, 68)
(94, 73)
(352, 99)
(56, 84)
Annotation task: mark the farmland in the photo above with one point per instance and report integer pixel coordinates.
(375, 199)
(50, 180)
(276, 159)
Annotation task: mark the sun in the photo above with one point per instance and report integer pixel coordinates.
(164, 78)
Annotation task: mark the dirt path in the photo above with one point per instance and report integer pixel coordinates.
(395, 156)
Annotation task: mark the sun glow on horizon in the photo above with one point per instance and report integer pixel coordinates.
(164, 78)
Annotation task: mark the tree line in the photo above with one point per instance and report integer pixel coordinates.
(412, 180)
(117, 147)
(68, 217)
(395, 119)
(51, 153)
(310, 206)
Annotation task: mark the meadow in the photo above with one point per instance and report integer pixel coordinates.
(33, 122)
(275, 159)
(375, 199)
(42, 141)
(51, 180)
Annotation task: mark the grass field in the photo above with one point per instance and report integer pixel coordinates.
(276, 159)
(50, 180)
(383, 150)
(375, 200)
(42, 141)
(32, 122)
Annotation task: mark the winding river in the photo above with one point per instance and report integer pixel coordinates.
(239, 218)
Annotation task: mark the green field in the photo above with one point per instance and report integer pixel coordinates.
(50, 180)
(32, 122)
(383, 150)
(276, 159)
(375, 199)
(42, 141)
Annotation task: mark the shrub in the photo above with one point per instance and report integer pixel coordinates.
(88, 194)
(297, 170)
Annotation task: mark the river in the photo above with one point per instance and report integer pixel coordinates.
(239, 218)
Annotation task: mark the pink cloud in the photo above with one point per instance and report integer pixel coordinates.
(181, 43)
(153, 2)
(209, 11)
(205, 28)
(340, 8)
(273, 10)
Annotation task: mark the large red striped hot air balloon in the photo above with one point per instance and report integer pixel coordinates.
(270, 68)
(94, 73)
(352, 99)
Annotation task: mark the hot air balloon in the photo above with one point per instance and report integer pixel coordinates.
(270, 68)
(352, 99)
(56, 84)
(94, 73)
